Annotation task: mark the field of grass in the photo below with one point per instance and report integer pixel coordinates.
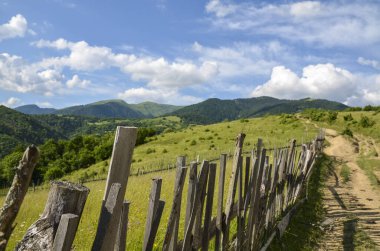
(210, 142)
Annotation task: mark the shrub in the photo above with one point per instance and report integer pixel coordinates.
(53, 173)
(164, 151)
(347, 132)
(150, 150)
(193, 143)
(348, 117)
(366, 122)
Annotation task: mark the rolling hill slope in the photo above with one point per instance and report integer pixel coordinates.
(34, 109)
(216, 110)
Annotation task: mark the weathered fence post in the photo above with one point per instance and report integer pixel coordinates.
(119, 171)
(232, 186)
(208, 212)
(63, 198)
(191, 191)
(66, 232)
(121, 239)
(187, 242)
(156, 206)
(170, 240)
(17, 193)
(219, 213)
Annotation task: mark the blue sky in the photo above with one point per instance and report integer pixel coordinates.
(58, 53)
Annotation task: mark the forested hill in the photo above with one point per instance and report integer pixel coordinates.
(106, 109)
(18, 128)
(216, 110)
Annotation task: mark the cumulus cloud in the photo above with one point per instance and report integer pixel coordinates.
(12, 102)
(17, 26)
(75, 81)
(168, 96)
(325, 23)
(154, 71)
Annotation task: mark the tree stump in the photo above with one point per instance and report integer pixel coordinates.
(64, 198)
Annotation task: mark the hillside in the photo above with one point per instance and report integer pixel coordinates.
(216, 110)
(151, 109)
(18, 128)
(113, 108)
(34, 109)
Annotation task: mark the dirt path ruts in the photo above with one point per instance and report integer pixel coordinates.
(352, 206)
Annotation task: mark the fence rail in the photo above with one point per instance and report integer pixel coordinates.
(264, 191)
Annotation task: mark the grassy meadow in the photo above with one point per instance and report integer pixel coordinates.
(206, 141)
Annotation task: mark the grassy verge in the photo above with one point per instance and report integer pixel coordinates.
(372, 169)
(345, 173)
(303, 233)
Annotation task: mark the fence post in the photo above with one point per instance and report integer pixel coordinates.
(66, 232)
(16, 193)
(119, 171)
(191, 191)
(170, 241)
(121, 238)
(208, 213)
(155, 209)
(64, 197)
(232, 186)
(186, 245)
(219, 215)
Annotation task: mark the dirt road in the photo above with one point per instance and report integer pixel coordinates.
(353, 207)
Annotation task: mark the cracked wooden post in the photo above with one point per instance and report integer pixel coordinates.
(17, 193)
(64, 198)
(119, 171)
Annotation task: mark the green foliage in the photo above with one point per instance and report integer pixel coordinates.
(345, 173)
(53, 173)
(348, 117)
(193, 143)
(320, 115)
(150, 150)
(347, 131)
(8, 165)
(366, 122)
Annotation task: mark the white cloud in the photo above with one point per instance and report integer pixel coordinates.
(325, 23)
(17, 26)
(373, 63)
(44, 104)
(75, 81)
(167, 96)
(317, 81)
(12, 102)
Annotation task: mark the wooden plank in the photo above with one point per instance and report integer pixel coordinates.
(181, 162)
(247, 174)
(66, 232)
(107, 220)
(240, 217)
(233, 183)
(187, 242)
(155, 224)
(170, 240)
(191, 191)
(17, 192)
(208, 212)
(119, 171)
(197, 233)
(219, 213)
(154, 200)
(121, 239)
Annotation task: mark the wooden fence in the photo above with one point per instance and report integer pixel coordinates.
(263, 193)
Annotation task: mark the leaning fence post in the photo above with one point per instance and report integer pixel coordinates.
(170, 238)
(191, 191)
(209, 202)
(219, 213)
(66, 232)
(119, 171)
(121, 239)
(17, 193)
(154, 214)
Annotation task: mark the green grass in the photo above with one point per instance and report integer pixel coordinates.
(221, 136)
(345, 173)
(370, 167)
